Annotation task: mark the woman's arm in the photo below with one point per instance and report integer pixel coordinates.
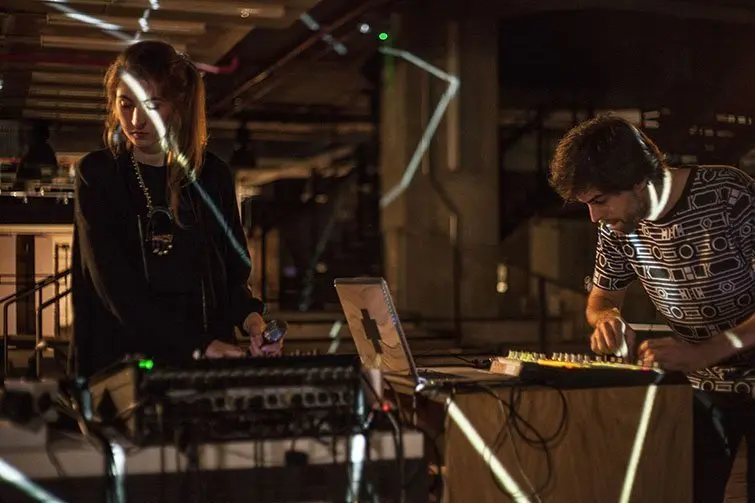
(237, 259)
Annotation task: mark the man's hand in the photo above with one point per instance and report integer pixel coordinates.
(219, 349)
(609, 335)
(254, 325)
(673, 354)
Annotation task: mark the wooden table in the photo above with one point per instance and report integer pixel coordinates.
(589, 460)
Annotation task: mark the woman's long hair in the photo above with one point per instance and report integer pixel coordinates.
(180, 84)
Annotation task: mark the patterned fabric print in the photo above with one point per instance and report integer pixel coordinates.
(697, 265)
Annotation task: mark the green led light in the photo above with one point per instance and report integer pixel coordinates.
(383, 36)
(146, 364)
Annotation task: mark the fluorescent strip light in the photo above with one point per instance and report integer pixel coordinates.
(94, 44)
(129, 24)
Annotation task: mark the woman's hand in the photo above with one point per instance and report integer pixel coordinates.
(255, 326)
(219, 349)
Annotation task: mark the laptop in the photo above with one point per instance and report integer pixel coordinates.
(381, 342)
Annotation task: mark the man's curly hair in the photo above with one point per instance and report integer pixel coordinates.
(607, 154)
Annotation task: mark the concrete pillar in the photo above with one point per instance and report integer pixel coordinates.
(459, 174)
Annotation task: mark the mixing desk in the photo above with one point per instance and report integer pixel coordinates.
(579, 370)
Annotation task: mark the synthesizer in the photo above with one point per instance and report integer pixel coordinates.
(579, 370)
(230, 399)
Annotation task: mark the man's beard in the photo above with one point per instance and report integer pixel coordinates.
(629, 223)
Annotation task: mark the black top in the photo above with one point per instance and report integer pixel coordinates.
(128, 300)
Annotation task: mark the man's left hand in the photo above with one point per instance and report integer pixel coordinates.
(672, 354)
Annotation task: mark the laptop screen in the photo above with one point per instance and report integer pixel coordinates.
(374, 325)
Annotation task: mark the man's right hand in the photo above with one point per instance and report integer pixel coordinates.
(610, 333)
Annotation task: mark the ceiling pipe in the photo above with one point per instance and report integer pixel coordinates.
(290, 56)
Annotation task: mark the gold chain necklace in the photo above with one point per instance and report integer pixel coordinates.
(159, 220)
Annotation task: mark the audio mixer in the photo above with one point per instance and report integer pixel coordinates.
(230, 399)
(580, 370)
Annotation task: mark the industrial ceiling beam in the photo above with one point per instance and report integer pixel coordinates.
(228, 104)
(119, 23)
(245, 10)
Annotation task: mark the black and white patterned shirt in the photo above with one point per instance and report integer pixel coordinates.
(697, 265)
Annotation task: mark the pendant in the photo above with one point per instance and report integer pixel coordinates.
(161, 243)
(160, 231)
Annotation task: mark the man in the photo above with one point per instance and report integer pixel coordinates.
(687, 235)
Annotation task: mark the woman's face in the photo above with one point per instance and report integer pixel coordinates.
(133, 118)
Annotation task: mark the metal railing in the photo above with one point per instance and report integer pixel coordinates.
(9, 300)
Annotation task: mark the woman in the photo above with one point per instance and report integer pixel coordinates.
(157, 272)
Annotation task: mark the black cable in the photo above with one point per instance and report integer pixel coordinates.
(475, 363)
(159, 410)
(516, 423)
(50, 451)
(399, 407)
(506, 428)
(437, 485)
(398, 438)
(92, 433)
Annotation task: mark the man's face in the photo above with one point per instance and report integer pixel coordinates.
(621, 212)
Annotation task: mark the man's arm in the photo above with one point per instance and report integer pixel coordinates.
(741, 216)
(727, 344)
(604, 303)
(613, 275)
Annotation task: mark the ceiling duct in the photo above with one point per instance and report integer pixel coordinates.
(112, 23)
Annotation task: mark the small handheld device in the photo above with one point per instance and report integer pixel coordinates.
(274, 331)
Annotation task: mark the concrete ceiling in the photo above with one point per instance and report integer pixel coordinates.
(263, 63)
(286, 82)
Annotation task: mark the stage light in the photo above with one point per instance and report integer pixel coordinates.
(383, 36)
